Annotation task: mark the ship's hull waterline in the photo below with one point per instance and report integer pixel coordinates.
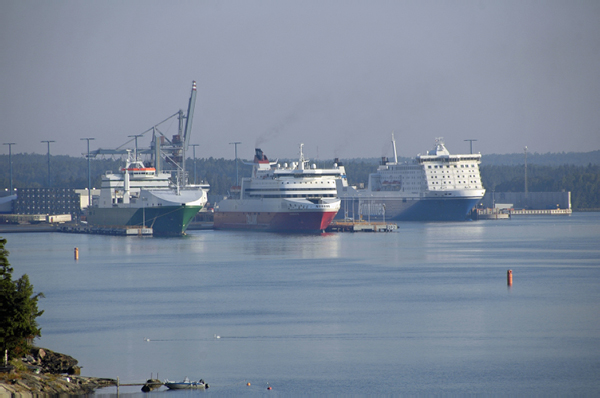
(164, 220)
(437, 186)
(274, 221)
(399, 209)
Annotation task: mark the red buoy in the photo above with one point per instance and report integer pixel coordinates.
(509, 277)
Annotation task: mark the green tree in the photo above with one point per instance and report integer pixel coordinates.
(18, 309)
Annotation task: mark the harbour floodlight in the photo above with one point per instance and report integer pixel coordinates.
(48, 142)
(526, 173)
(89, 173)
(237, 184)
(10, 144)
(471, 141)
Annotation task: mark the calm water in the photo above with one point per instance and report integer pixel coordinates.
(425, 310)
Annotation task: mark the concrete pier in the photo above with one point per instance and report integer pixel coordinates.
(360, 226)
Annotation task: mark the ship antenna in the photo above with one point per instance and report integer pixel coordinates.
(301, 160)
(394, 146)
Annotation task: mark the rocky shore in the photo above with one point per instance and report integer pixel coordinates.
(47, 372)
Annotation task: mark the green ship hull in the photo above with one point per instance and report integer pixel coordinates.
(164, 220)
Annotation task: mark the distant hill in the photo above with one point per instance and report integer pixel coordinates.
(512, 159)
(575, 172)
(543, 159)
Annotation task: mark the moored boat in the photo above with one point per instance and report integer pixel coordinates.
(291, 198)
(436, 186)
(186, 384)
(141, 196)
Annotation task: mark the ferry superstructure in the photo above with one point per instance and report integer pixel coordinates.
(141, 196)
(437, 186)
(292, 198)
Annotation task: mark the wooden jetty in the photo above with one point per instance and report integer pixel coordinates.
(361, 226)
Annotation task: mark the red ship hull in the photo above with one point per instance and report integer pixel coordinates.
(275, 221)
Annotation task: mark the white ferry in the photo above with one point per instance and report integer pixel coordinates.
(145, 196)
(436, 186)
(295, 197)
(141, 196)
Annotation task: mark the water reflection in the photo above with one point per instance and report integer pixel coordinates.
(299, 246)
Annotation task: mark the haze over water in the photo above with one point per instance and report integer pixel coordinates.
(425, 310)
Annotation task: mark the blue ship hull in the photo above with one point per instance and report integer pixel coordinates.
(438, 210)
(456, 209)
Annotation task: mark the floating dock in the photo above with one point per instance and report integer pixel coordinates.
(360, 226)
(491, 214)
(119, 230)
(554, 212)
(506, 213)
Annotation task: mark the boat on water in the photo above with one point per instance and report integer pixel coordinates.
(141, 196)
(294, 198)
(145, 195)
(436, 186)
(186, 384)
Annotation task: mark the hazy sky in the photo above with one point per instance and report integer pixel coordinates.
(338, 76)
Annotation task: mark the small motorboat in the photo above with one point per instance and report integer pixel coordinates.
(186, 384)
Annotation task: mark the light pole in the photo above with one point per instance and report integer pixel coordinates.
(525, 173)
(194, 149)
(89, 173)
(10, 144)
(237, 184)
(48, 142)
(471, 141)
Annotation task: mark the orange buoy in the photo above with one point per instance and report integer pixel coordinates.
(248, 384)
(509, 277)
(76, 254)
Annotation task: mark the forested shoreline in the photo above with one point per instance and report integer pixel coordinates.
(499, 173)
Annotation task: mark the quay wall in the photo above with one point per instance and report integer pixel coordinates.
(531, 200)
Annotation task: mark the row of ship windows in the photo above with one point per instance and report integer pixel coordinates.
(457, 176)
(449, 172)
(455, 166)
(294, 196)
(448, 182)
(310, 182)
(250, 190)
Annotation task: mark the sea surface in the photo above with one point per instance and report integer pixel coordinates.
(425, 310)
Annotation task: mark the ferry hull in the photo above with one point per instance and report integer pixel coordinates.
(164, 220)
(457, 209)
(279, 221)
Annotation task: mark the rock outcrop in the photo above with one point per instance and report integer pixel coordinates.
(48, 372)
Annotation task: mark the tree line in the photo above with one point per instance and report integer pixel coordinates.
(31, 171)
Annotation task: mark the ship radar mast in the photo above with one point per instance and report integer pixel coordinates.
(301, 160)
(394, 147)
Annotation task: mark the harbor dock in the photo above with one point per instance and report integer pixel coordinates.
(490, 214)
(360, 226)
(554, 212)
(119, 230)
(504, 214)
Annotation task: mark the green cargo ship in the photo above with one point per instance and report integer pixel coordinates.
(141, 196)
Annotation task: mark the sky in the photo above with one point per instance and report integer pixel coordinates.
(339, 76)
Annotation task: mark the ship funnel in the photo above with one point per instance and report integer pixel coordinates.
(260, 156)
